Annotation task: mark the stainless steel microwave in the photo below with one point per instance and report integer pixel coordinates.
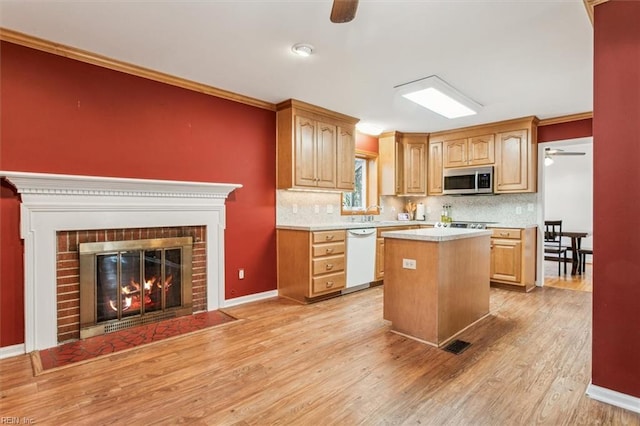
(474, 180)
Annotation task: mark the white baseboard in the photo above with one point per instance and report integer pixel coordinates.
(250, 298)
(9, 351)
(612, 397)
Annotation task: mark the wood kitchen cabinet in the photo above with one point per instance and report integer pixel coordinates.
(402, 163)
(516, 163)
(472, 151)
(434, 181)
(379, 275)
(315, 147)
(513, 258)
(310, 265)
(510, 146)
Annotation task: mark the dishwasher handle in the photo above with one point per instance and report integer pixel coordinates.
(362, 232)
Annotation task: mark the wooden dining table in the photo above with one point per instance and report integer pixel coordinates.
(576, 241)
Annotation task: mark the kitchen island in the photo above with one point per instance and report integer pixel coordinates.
(436, 281)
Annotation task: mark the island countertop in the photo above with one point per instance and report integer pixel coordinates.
(436, 234)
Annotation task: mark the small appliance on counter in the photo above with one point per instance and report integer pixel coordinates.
(420, 212)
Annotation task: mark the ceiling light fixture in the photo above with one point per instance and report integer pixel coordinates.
(369, 129)
(437, 95)
(302, 49)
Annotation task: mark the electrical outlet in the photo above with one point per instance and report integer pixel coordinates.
(428, 209)
(316, 208)
(294, 209)
(518, 210)
(530, 207)
(329, 208)
(409, 263)
(241, 274)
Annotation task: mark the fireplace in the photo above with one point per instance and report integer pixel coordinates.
(129, 283)
(52, 204)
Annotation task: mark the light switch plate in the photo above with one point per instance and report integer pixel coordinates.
(329, 208)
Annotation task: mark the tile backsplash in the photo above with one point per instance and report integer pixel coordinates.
(307, 207)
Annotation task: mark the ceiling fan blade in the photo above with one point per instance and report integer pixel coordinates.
(343, 11)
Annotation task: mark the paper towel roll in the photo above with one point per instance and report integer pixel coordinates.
(420, 212)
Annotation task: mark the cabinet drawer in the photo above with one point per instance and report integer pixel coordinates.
(328, 249)
(326, 265)
(507, 233)
(328, 236)
(330, 282)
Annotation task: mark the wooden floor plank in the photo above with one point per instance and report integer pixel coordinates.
(335, 362)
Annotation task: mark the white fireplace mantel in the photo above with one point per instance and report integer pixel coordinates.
(54, 202)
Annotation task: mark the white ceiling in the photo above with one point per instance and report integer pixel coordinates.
(515, 57)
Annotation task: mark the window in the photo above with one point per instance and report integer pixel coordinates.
(363, 198)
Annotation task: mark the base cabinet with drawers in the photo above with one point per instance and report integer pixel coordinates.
(311, 265)
(513, 257)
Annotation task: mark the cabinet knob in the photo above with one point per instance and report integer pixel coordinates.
(329, 250)
(329, 284)
(329, 266)
(504, 234)
(329, 237)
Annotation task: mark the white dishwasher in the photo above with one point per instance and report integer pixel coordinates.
(361, 258)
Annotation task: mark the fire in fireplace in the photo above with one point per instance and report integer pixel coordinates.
(128, 283)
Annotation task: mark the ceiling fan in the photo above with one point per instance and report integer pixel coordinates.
(343, 11)
(558, 151)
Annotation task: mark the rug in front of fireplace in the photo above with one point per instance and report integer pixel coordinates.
(83, 350)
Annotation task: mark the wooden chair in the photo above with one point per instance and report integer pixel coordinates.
(583, 258)
(553, 243)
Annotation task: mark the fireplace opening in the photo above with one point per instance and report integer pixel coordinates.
(129, 283)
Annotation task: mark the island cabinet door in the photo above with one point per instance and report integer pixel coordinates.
(505, 260)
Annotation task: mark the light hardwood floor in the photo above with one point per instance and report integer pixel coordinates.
(335, 362)
(580, 282)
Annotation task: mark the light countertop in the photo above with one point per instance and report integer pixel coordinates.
(437, 234)
(381, 224)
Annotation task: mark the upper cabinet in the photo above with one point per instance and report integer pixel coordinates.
(473, 151)
(509, 146)
(513, 168)
(402, 163)
(434, 180)
(315, 147)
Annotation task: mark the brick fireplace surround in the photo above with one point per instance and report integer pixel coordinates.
(68, 268)
(52, 205)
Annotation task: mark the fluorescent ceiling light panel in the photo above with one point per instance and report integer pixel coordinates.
(435, 94)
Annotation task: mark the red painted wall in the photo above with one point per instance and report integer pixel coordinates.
(64, 116)
(563, 131)
(366, 142)
(616, 131)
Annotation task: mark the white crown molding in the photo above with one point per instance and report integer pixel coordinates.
(56, 184)
(612, 397)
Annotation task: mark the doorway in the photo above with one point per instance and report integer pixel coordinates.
(566, 193)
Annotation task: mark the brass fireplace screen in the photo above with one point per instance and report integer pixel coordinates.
(128, 283)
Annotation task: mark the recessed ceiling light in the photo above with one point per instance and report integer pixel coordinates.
(435, 94)
(369, 129)
(302, 49)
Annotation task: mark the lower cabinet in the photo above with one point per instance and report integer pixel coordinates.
(380, 248)
(513, 257)
(311, 265)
